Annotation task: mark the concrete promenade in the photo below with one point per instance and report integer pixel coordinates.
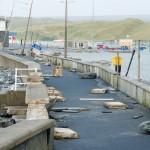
(98, 131)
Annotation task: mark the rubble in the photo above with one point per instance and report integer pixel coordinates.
(98, 91)
(115, 105)
(87, 75)
(58, 71)
(145, 126)
(16, 110)
(65, 133)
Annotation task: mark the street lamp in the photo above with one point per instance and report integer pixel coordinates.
(27, 28)
(66, 26)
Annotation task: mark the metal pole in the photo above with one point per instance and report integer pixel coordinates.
(66, 21)
(133, 52)
(27, 29)
(139, 67)
(93, 27)
(31, 38)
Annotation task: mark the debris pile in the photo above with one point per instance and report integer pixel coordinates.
(58, 71)
(7, 78)
(55, 94)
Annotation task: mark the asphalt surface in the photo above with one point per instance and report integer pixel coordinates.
(97, 131)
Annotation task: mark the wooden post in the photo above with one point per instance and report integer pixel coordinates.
(117, 69)
(139, 67)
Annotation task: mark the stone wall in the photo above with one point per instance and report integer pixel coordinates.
(13, 98)
(29, 135)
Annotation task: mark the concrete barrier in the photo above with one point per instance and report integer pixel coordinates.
(15, 98)
(131, 87)
(12, 61)
(29, 135)
(135, 89)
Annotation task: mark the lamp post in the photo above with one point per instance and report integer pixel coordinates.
(27, 28)
(66, 27)
(93, 26)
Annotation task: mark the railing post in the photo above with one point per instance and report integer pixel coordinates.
(16, 69)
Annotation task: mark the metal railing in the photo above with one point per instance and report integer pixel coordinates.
(22, 76)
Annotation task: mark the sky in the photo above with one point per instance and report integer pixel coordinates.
(56, 8)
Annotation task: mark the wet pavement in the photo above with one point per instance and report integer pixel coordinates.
(97, 130)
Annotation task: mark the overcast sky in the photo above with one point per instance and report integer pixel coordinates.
(51, 8)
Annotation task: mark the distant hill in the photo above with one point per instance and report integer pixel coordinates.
(82, 30)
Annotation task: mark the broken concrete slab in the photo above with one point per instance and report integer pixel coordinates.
(87, 75)
(59, 98)
(145, 126)
(115, 105)
(98, 91)
(54, 92)
(57, 71)
(16, 110)
(67, 133)
(137, 116)
(50, 88)
(37, 111)
(70, 108)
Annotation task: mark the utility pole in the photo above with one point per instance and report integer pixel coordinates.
(66, 26)
(139, 66)
(93, 26)
(27, 28)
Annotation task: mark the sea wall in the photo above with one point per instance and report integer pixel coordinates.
(15, 98)
(131, 87)
(29, 135)
(12, 61)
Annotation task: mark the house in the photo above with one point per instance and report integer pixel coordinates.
(4, 33)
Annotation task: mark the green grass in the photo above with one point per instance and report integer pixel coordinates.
(103, 30)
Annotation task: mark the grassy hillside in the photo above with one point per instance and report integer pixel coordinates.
(103, 30)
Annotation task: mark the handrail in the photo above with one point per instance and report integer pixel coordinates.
(23, 76)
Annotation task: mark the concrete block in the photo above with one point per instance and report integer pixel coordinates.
(59, 98)
(115, 105)
(57, 72)
(16, 110)
(60, 133)
(98, 91)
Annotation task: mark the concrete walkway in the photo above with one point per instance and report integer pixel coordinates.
(98, 131)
